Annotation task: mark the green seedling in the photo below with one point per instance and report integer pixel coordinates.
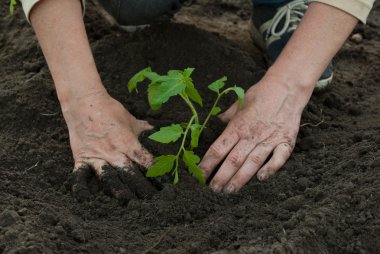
(12, 4)
(179, 83)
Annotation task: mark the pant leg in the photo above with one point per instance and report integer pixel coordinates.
(269, 1)
(141, 12)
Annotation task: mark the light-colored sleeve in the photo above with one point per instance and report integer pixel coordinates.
(28, 5)
(357, 8)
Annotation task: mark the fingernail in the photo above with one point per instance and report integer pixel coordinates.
(262, 177)
(229, 189)
(216, 187)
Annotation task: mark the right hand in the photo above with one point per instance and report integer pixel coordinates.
(104, 138)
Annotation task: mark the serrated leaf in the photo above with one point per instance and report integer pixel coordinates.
(193, 94)
(176, 178)
(188, 71)
(163, 165)
(218, 84)
(197, 173)
(195, 132)
(189, 157)
(167, 134)
(191, 91)
(175, 74)
(191, 160)
(240, 94)
(137, 78)
(159, 93)
(216, 110)
(154, 77)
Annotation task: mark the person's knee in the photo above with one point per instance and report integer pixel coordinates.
(141, 12)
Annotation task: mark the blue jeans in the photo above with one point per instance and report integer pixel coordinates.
(142, 12)
(256, 2)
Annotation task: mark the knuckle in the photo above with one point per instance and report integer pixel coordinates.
(235, 160)
(255, 159)
(215, 150)
(271, 170)
(288, 147)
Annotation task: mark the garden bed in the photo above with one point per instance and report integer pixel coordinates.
(326, 199)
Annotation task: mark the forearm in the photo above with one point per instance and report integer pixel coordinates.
(319, 36)
(61, 33)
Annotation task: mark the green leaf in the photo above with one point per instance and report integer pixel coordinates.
(218, 84)
(165, 87)
(191, 91)
(193, 94)
(163, 165)
(159, 93)
(197, 173)
(137, 78)
(154, 77)
(176, 179)
(175, 74)
(188, 71)
(191, 160)
(12, 6)
(195, 132)
(216, 110)
(240, 94)
(167, 134)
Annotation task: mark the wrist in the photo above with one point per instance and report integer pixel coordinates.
(281, 88)
(72, 101)
(73, 87)
(293, 80)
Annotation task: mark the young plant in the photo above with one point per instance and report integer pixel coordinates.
(12, 4)
(160, 90)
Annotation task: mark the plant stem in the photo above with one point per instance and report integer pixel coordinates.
(213, 106)
(185, 135)
(191, 106)
(182, 148)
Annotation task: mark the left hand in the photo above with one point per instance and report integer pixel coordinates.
(258, 139)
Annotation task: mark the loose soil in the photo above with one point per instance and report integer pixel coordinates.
(326, 199)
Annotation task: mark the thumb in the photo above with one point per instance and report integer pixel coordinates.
(142, 126)
(229, 114)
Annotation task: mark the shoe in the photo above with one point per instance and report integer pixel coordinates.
(273, 25)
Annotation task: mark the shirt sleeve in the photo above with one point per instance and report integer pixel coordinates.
(357, 8)
(28, 5)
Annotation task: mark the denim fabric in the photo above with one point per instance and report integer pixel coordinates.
(270, 1)
(141, 12)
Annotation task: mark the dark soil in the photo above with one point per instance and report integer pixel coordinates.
(326, 199)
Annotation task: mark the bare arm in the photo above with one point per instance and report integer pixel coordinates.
(60, 30)
(103, 134)
(269, 123)
(318, 38)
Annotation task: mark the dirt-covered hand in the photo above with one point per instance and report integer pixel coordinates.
(104, 138)
(258, 139)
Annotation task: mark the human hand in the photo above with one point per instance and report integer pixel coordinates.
(104, 138)
(258, 139)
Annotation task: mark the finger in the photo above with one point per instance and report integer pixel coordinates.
(252, 164)
(137, 182)
(229, 114)
(78, 182)
(112, 184)
(280, 155)
(142, 126)
(231, 165)
(219, 150)
(140, 155)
